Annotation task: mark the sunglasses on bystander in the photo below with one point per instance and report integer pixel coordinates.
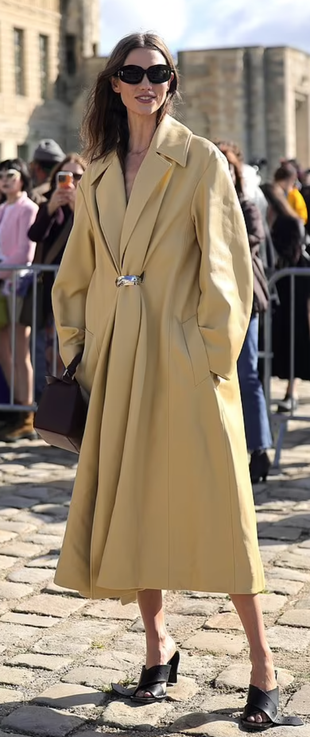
(10, 174)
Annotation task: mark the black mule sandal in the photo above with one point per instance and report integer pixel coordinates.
(265, 702)
(144, 681)
(152, 680)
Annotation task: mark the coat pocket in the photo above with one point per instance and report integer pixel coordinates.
(196, 350)
(86, 369)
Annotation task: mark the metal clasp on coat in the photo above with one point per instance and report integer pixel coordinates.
(129, 280)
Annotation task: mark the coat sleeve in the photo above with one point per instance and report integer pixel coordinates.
(226, 275)
(72, 282)
(41, 224)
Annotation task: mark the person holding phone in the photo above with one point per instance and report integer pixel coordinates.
(51, 230)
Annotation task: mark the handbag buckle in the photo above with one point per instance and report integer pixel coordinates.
(67, 376)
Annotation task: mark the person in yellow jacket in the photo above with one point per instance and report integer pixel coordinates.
(286, 177)
(298, 204)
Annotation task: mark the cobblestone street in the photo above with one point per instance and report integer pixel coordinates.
(60, 652)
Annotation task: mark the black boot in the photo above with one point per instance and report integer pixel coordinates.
(259, 466)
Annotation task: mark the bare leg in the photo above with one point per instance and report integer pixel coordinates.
(249, 609)
(24, 370)
(159, 645)
(5, 354)
(291, 388)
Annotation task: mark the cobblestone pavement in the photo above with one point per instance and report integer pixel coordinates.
(60, 652)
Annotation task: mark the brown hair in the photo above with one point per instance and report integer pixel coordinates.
(234, 160)
(70, 157)
(229, 145)
(285, 172)
(105, 127)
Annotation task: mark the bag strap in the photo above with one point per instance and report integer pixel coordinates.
(71, 369)
(59, 243)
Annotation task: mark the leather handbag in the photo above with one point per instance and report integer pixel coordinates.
(61, 415)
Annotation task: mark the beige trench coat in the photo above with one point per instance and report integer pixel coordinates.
(162, 497)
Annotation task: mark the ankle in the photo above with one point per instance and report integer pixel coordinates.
(159, 650)
(262, 657)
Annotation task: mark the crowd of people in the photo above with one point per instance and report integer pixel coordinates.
(276, 217)
(36, 216)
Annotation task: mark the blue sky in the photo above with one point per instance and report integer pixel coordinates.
(198, 24)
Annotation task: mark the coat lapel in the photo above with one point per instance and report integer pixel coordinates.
(148, 189)
(119, 221)
(111, 205)
(168, 148)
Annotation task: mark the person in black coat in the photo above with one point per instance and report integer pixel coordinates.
(50, 231)
(288, 239)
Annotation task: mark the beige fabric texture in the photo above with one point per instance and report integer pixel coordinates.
(162, 497)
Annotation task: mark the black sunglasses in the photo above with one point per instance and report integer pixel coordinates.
(74, 175)
(133, 74)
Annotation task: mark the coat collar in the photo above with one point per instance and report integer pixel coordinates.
(171, 139)
(119, 220)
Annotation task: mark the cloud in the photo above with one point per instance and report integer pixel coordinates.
(194, 24)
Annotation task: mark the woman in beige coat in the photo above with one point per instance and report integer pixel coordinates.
(155, 286)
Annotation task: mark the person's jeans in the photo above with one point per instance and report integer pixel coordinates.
(257, 429)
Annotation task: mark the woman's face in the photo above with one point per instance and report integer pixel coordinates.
(10, 182)
(146, 97)
(75, 169)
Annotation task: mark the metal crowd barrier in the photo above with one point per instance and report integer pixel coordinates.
(36, 270)
(267, 354)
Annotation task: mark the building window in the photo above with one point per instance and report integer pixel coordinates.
(70, 42)
(19, 61)
(43, 48)
(23, 151)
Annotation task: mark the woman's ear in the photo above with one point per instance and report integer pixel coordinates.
(170, 82)
(115, 84)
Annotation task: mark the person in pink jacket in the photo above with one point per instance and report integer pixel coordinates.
(17, 213)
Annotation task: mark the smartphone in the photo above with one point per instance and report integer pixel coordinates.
(64, 179)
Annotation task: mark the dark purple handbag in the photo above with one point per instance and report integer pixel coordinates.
(61, 415)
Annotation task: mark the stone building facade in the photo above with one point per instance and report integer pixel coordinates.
(45, 48)
(257, 96)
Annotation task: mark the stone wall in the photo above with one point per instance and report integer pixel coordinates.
(256, 96)
(213, 94)
(41, 16)
(26, 118)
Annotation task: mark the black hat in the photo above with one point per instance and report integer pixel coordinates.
(48, 151)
